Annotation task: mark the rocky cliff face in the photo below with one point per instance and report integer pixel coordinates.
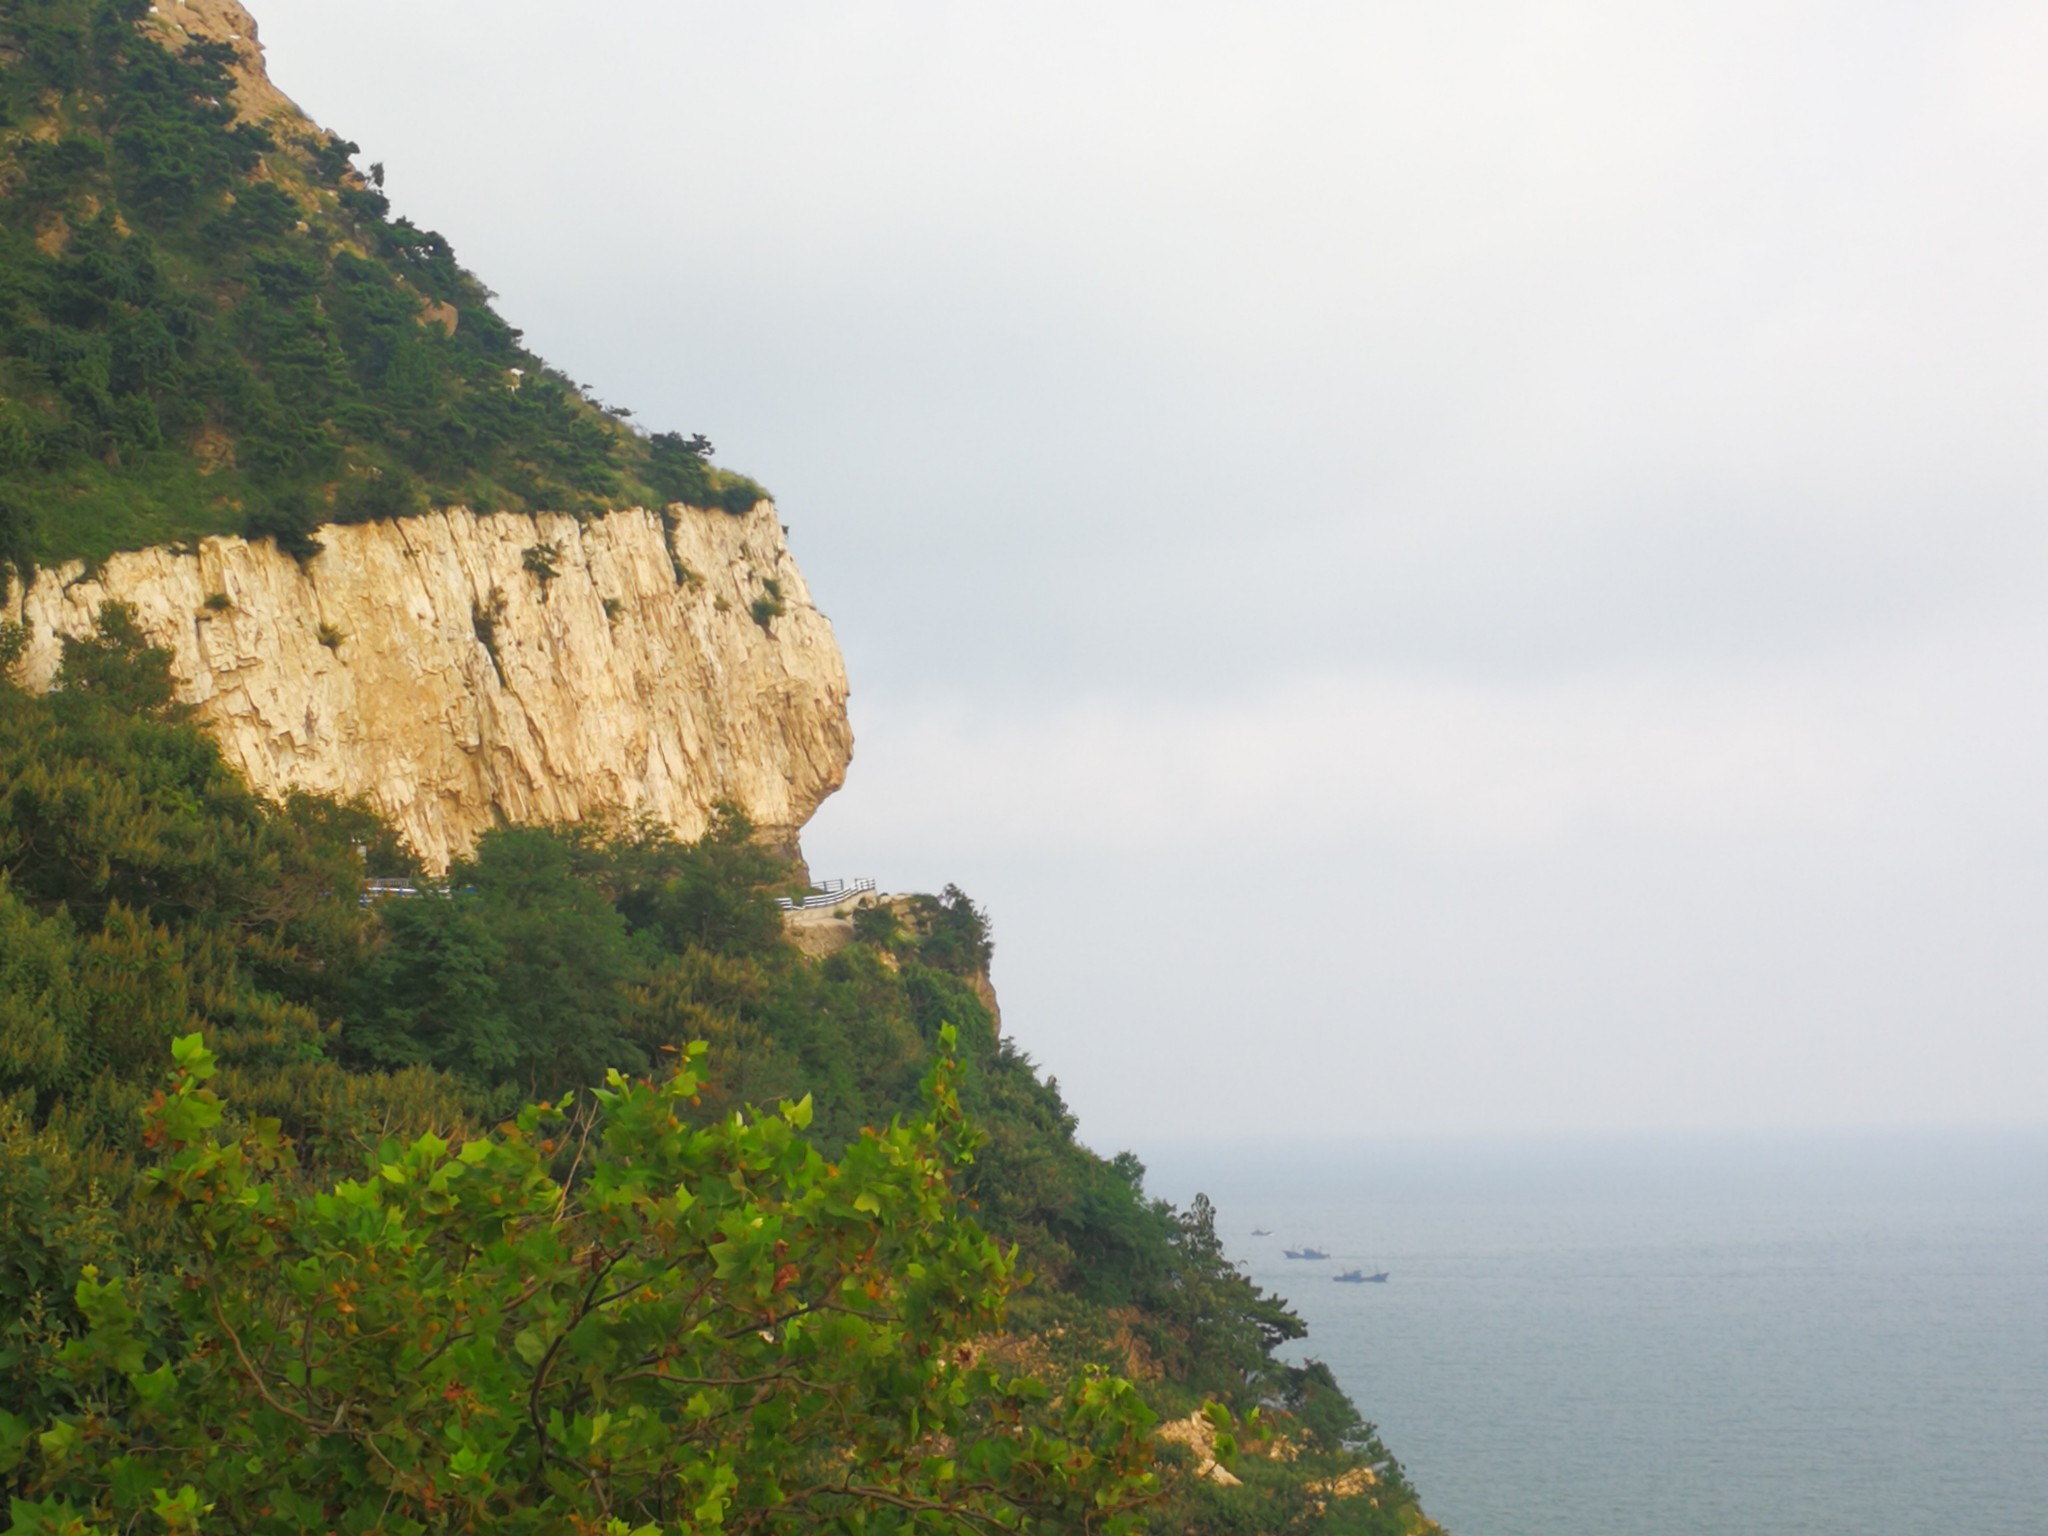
(461, 671)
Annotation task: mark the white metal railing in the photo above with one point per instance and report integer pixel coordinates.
(828, 893)
(396, 887)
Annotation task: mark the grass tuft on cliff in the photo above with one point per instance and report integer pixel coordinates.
(210, 322)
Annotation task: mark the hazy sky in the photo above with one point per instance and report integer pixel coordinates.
(1437, 566)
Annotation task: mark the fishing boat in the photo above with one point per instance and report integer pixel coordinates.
(1260, 1232)
(1360, 1277)
(1305, 1253)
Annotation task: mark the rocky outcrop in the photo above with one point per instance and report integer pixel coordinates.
(460, 671)
(1199, 1436)
(821, 932)
(225, 21)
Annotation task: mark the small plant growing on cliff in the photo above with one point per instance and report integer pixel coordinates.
(218, 602)
(722, 605)
(769, 606)
(612, 609)
(684, 575)
(484, 620)
(539, 560)
(331, 637)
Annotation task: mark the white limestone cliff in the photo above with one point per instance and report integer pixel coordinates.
(627, 681)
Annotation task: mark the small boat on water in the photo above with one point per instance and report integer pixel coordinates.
(1260, 1232)
(1305, 1253)
(1360, 1277)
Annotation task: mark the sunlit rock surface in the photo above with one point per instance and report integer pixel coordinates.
(626, 681)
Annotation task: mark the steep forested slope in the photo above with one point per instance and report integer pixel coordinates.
(209, 321)
(145, 895)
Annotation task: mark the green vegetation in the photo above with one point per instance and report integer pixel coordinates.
(210, 326)
(484, 621)
(709, 1329)
(539, 560)
(525, 1326)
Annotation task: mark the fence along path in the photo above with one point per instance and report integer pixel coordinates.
(828, 893)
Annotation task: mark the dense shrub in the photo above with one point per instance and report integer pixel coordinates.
(702, 1332)
(287, 519)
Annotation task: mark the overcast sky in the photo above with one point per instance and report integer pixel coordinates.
(1437, 566)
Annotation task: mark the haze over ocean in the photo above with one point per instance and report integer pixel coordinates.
(1838, 1335)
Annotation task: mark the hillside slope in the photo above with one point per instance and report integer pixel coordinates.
(146, 895)
(210, 323)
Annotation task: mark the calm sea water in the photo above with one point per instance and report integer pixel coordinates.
(1817, 1336)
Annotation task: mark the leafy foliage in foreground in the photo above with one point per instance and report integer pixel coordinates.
(210, 325)
(146, 895)
(711, 1329)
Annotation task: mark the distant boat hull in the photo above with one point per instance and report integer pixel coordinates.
(1360, 1277)
(1305, 1253)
